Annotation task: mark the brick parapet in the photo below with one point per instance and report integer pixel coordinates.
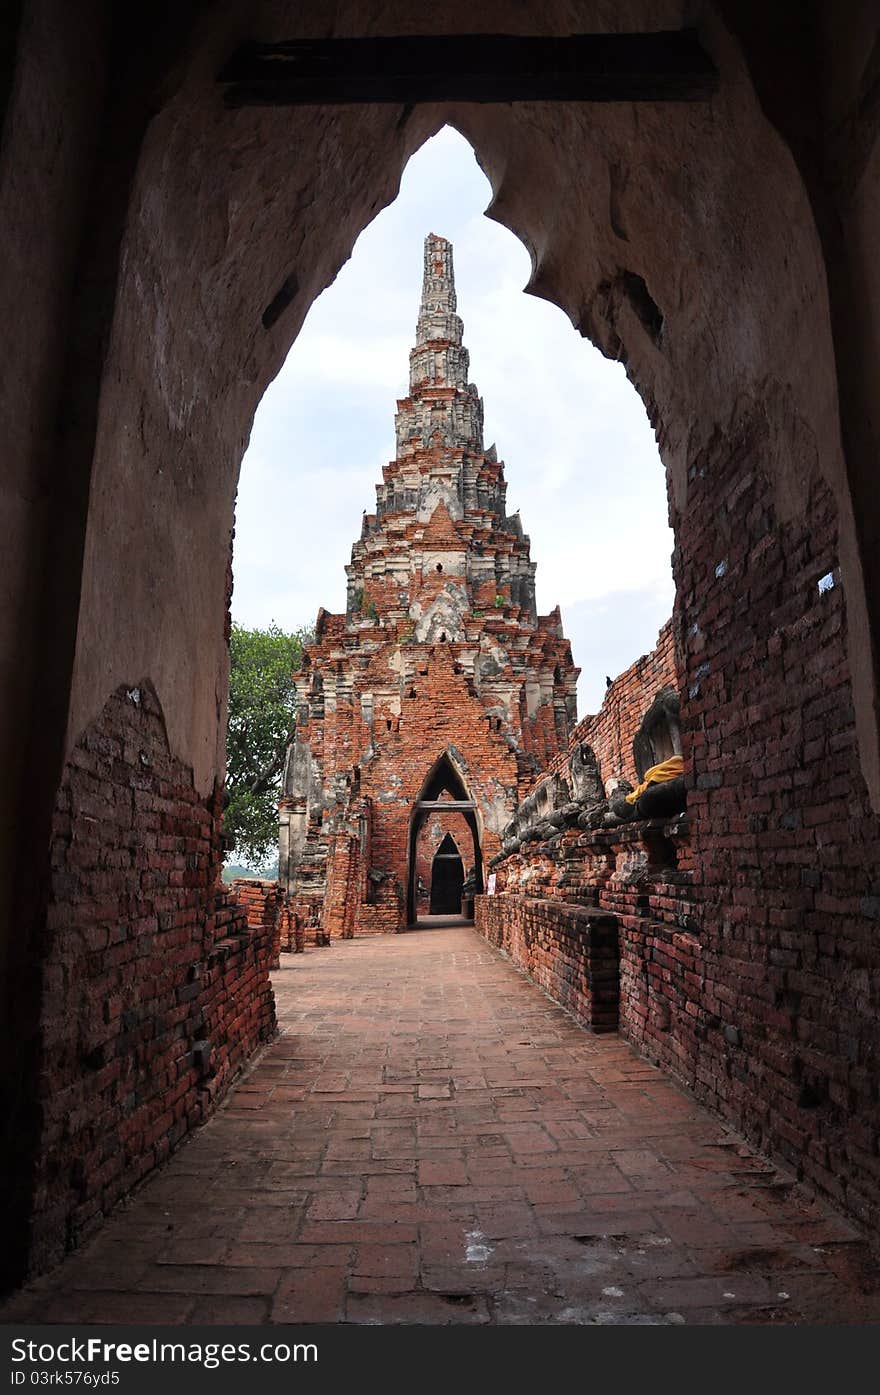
(629, 880)
(570, 951)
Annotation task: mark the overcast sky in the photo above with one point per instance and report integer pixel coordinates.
(581, 461)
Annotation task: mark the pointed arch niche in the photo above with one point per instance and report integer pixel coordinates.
(444, 814)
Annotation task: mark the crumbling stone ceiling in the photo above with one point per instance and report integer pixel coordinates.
(680, 238)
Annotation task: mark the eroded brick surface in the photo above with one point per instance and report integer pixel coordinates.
(266, 911)
(432, 1140)
(156, 989)
(748, 934)
(610, 732)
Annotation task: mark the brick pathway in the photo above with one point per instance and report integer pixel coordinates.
(431, 1140)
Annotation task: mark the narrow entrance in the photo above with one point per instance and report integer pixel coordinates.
(447, 879)
(443, 876)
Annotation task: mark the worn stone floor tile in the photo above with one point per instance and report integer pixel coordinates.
(417, 1308)
(218, 1311)
(431, 1140)
(316, 1294)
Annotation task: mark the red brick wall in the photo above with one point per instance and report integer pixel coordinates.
(440, 713)
(263, 905)
(786, 848)
(612, 730)
(297, 924)
(345, 886)
(593, 916)
(145, 957)
(663, 992)
(570, 951)
(752, 973)
(384, 914)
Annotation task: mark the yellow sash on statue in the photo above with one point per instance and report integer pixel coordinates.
(658, 775)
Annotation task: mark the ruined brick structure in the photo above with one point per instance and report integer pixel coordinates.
(156, 978)
(440, 681)
(648, 688)
(744, 933)
(265, 911)
(161, 252)
(595, 914)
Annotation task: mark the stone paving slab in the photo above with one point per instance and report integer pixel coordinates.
(431, 1140)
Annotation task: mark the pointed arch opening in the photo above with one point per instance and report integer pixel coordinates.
(221, 225)
(447, 878)
(444, 863)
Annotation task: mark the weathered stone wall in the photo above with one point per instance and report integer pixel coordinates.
(752, 971)
(156, 990)
(571, 951)
(610, 731)
(263, 903)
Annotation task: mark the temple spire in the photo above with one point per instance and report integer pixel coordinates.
(437, 317)
(439, 359)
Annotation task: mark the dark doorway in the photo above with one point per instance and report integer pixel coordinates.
(447, 879)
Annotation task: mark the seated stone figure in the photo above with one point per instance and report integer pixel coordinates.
(661, 794)
(620, 810)
(545, 814)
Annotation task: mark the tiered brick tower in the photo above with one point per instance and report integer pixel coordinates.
(440, 681)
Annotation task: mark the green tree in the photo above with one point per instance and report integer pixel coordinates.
(262, 722)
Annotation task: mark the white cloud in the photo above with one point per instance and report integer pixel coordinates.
(582, 464)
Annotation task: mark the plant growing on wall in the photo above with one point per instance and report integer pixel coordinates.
(261, 725)
(362, 604)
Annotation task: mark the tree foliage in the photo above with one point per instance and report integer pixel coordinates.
(262, 722)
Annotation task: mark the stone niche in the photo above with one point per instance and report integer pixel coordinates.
(659, 736)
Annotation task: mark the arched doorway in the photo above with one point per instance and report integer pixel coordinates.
(447, 878)
(453, 874)
(744, 422)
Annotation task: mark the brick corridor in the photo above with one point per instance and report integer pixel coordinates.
(431, 1140)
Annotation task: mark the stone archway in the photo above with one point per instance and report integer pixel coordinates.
(161, 252)
(444, 792)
